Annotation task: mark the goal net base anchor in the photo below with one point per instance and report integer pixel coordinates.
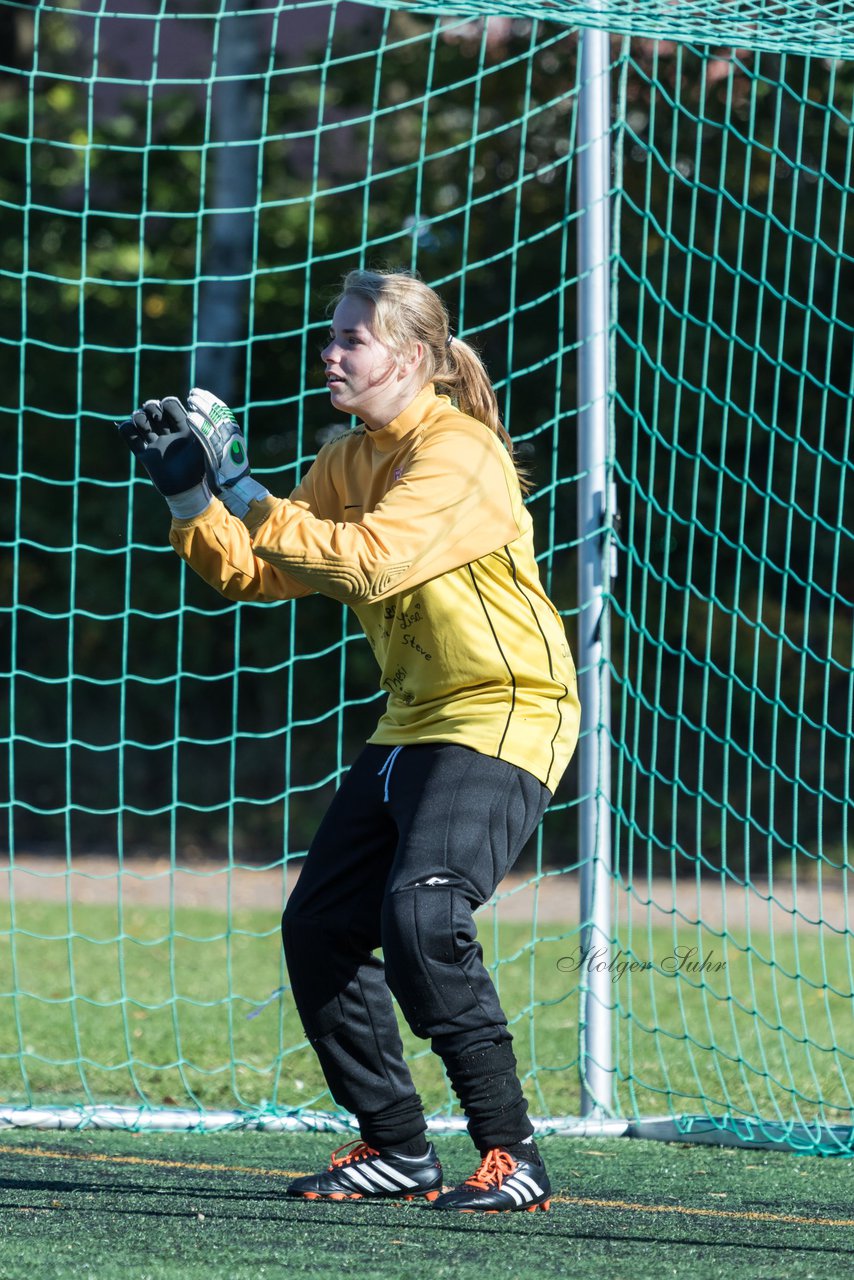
(730, 1131)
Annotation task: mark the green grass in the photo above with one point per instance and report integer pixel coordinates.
(157, 1007)
(120, 1206)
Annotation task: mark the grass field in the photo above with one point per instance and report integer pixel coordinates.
(163, 1207)
(174, 1008)
(169, 1007)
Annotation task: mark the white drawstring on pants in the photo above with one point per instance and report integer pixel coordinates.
(388, 766)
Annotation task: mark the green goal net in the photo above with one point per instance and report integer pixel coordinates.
(733, 637)
(182, 186)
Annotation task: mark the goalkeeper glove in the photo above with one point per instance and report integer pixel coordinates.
(226, 461)
(159, 435)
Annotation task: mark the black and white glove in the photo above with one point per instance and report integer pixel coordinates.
(226, 460)
(160, 436)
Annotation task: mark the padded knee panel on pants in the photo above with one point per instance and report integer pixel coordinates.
(433, 964)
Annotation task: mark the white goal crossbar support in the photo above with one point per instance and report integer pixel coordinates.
(593, 160)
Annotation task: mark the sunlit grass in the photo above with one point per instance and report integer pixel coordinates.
(188, 1009)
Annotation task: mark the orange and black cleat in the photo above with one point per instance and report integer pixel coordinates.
(365, 1174)
(502, 1184)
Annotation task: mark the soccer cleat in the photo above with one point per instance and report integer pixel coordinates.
(364, 1174)
(501, 1185)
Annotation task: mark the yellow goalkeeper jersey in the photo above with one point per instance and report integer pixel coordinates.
(420, 527)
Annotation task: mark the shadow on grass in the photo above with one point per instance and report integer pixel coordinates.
(231, 1208)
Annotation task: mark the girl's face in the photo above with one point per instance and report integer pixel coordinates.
(362, 374)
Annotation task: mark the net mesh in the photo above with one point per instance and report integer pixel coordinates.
(734, 650)
(180, 193)
(184, 226)
(806, 27)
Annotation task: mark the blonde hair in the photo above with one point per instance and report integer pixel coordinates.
(407, 311)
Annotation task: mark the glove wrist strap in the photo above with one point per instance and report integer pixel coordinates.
(238, 496)
(192, 502)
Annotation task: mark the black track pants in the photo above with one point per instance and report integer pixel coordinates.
(415, 839)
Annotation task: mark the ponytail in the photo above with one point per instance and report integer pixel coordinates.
(464, 377)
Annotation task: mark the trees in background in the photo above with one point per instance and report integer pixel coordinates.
(129, 217)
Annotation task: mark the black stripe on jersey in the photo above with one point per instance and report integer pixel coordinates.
(503, 657)
(565, 693)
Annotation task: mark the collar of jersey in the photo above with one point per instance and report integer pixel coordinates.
(389, 438)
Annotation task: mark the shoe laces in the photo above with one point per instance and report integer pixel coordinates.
(494, 1168)
(360, 1151)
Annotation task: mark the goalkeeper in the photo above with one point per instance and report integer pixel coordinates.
(415, 519)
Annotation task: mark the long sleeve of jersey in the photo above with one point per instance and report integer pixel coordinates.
(218, 547)
(378, 513)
